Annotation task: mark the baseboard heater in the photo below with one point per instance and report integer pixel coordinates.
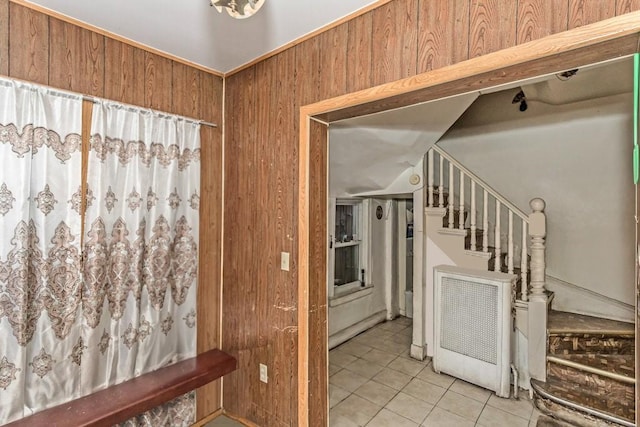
(472, 315)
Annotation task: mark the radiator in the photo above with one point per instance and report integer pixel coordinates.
(472, 315)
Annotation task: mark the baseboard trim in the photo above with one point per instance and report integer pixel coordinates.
(575, 299)
(351, 331)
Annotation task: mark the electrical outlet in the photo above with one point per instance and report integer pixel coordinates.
(263, 373)
(284, 261)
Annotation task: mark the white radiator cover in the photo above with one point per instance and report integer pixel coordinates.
(473, 321)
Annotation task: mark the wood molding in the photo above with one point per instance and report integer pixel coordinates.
(303, 270)
(98, 30)
(307, 36)
(596, 42)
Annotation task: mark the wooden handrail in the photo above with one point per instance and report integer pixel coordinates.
(121, 402)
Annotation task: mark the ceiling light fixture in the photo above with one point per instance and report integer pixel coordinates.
(238, 9)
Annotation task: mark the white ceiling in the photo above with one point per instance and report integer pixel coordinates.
(376, 154)
(193, 30)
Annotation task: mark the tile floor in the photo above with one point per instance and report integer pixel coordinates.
(373, 382)
(223, 421)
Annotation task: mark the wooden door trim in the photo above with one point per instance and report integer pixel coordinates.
(601, 41)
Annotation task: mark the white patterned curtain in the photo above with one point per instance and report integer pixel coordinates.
(41, 342)
(141, 249)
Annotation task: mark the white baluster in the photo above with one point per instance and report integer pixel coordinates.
(441, 183)
(510, 244)
(537, 231)
(497, 263)
(461, 214)
(430, 178)
(473, 215)
(523, 262)
(452, 190)
(485, 222)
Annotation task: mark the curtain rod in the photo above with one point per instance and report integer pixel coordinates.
(201, 122)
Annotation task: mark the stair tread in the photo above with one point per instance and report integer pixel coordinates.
(561, 322)
(611, 404)
(621, 364)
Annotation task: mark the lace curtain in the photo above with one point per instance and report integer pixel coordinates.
(141, 240)
(41, 344)
(74, 320)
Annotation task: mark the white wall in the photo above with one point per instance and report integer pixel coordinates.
(383, 275)
(577, 157)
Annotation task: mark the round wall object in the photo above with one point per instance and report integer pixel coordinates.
(379, 212)
(414, 179)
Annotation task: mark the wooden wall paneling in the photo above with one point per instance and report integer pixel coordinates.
(209, 279)
(492, 26)
(28, 44)
(540, 18)
(583, 12)
(359, 47)
(626, 6)
(284, 178)
(307, 72)
(185, 84)
(395, 41)
(258, 297)
(443, 33)
(239, 320)
(264, 243)
(158, 93)
(76, 58)
(318, 336)
(4, 37)
(208, 396)
(124, 72)
(397, 96)
(333, 61)
(211, 90)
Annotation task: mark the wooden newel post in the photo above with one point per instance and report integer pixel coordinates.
(538, 301)
(538, 232)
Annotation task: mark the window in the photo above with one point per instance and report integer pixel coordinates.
(347, 259)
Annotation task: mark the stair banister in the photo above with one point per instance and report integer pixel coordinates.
(497, 263)
(473, 215)
(462, 172)
(510, 245)
(474, 177)
(538, 300)
(523, 264)
(441, 182)
(461, 215)
(485, 221)
(430, 179)
(538, 232)
(451, 194)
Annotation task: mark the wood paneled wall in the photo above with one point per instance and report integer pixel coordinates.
(395, 40)
(42, 49)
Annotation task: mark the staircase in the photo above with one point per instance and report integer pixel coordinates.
(590, 371)
(586, 373)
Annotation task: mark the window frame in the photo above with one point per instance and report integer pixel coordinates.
(362, 241)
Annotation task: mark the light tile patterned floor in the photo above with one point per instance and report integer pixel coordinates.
(373, 382)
